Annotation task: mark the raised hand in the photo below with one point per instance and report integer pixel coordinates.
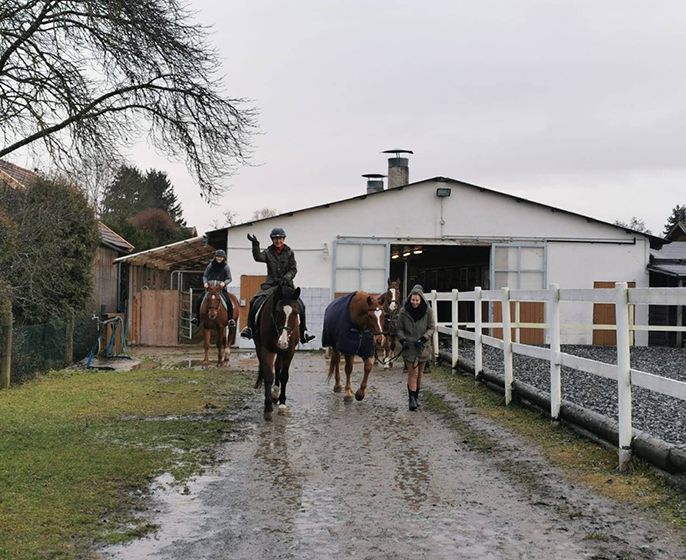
(253, 239)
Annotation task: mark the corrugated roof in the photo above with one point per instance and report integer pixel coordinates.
(670, 259)
(669, 269)
(673, 250)
(188, 254)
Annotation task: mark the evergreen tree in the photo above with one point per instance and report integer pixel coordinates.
(678, 215)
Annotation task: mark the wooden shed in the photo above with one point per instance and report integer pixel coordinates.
(162, 285)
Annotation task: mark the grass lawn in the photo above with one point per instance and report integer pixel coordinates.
(584, 461)
(78, 450)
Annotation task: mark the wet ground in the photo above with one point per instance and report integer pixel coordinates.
(373, 480)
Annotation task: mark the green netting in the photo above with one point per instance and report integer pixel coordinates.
(39, 348)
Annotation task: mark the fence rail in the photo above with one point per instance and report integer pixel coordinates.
(621, 296)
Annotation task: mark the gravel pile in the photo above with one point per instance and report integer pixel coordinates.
(659, 415)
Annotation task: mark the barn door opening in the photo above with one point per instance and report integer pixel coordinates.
(360, 265)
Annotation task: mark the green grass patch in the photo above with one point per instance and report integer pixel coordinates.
(80, 448)
(584, 461)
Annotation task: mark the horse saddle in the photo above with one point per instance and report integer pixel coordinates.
(222, 298)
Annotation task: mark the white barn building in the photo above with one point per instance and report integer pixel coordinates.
(444, 234)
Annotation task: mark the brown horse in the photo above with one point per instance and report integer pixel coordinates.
(214, 319)
(276, 336)
(391, 302)
(352, 326)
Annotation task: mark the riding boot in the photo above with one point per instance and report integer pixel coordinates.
(412, 398)
(416, 397)
(305, 337)
(247, 332)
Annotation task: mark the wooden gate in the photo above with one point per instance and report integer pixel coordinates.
(250, 285)
(158, 313)
(604, 314)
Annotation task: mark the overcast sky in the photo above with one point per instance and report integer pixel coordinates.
(579, 104)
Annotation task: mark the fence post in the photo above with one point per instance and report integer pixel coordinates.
(478, 348)
(69, 355)
(507, 345)
(434, 310)
(6, 346)
(455, 337)
(555, 335)
(623, 375)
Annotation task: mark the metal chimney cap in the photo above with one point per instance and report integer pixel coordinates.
(397, 152)
(373, 175)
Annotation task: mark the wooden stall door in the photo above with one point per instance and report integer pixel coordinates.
(529, 312)
(250, 285)
(159, 317)
(604, 314)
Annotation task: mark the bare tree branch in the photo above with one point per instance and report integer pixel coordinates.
(84, 78)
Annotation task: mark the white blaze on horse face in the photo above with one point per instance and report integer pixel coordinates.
(283, 337)
(394, 300)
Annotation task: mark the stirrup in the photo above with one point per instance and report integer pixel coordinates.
(246, 332)
(232, 323)
(306, 337)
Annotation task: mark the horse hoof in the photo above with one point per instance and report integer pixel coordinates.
(348, 398)
(338, 389)
(386, 366)
(276, 393)
(268, 415)
(359, 396)
(283, 409)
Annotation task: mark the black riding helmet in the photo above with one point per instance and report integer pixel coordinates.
(220, 253)
(277, 232)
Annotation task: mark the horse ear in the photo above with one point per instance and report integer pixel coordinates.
(296, 294)
(370, 301)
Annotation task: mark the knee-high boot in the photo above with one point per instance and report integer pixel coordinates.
(412, 398)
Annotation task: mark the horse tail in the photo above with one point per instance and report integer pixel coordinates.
(334, 357)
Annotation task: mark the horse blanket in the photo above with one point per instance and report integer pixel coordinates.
(340, 333)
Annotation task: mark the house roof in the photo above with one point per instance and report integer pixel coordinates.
(15, 176)
(670, 260)
(655, 241)
(112, 239)
(189, 254)
(678, 231)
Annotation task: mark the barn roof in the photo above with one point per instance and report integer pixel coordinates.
(15, 176)
(111, 238)
(670, 260)
(655, 241)
(189, 254)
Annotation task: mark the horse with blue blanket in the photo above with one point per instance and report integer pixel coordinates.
(352, 327)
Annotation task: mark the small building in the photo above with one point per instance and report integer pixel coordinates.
(444, 234)
(667, 269)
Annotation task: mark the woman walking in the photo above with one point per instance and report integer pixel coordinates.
(416, 327)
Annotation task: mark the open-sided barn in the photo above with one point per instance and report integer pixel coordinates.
(446, 234)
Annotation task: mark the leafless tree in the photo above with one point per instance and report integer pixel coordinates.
(83, 78)
(264, 213)
(231, 218)
(637, 224)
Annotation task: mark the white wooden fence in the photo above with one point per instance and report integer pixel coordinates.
(621, 296)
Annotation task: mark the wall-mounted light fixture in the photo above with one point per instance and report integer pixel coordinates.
(417, 251)
(442, 192)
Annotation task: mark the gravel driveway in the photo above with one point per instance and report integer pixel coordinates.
(373, 480)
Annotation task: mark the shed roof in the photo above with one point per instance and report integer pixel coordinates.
(193, 253)
(112, 239)
(15, 176)
(670, 260)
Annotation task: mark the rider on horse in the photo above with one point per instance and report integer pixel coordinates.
(219, 271)
(281, 269)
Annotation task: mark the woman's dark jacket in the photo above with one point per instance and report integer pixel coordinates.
(281, 267)
(411, 330)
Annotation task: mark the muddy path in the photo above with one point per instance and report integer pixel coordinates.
(373, 480)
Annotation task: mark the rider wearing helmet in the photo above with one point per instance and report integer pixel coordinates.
(218, 270)
(281, 269)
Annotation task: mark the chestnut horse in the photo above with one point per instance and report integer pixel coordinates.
(352, 326)
(214, 318)
(277, 332)
(391, 302)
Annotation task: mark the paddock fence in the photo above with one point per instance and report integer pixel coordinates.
(621, 296)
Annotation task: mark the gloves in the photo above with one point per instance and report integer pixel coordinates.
(253, 239)
(405, 344)
(420, 342)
